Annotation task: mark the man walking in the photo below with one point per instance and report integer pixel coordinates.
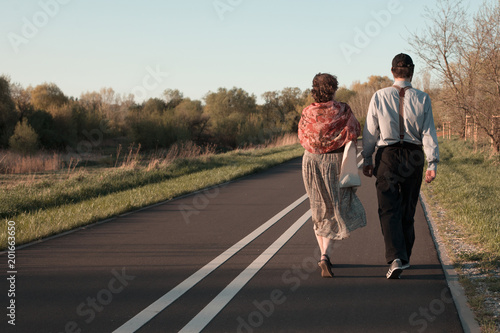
(399, 122)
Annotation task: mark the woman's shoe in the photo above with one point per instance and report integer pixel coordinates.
(326, 267)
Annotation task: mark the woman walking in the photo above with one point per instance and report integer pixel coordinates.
(325, 127)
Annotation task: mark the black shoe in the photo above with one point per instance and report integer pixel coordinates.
(395, 269)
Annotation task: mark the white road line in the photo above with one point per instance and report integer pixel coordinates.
(225, 296)
(163, 302)
(360, 157)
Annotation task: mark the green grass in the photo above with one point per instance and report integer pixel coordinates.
(468, 187)
(50, 207)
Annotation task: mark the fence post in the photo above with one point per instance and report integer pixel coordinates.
(494, 129)
(447, 134)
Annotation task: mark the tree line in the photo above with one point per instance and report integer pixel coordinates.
(44, 118)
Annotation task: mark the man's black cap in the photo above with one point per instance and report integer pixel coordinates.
(402, 60)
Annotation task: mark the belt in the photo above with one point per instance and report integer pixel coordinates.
(406, 145)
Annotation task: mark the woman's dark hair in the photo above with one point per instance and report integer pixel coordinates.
(324, 87)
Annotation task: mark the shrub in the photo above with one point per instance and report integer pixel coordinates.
(25, 139)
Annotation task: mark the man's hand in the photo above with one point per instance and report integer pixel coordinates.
(368, 170)
(429, 175)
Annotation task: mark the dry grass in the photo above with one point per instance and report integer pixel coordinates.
(184, 150)
(284, 140)
(14, 163)
(279, 141)
(164, 157)
(132, 160)
(16, 169)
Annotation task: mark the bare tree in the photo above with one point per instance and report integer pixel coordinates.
(108, 104)
(364, 92)
(464, 52)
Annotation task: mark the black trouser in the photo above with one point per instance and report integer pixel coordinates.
(398, 169)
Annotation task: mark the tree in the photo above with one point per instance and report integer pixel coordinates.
(8, 113)
(307, 99)
(68, 123)
(43, 124)
(92, 101)
(150, 132)
(271, 113)
(225, 102)
(24, 140)
(363, 93)
(189, 114)
(47, 97)
(21, 98)
(291, 101)
(173, 97)
(109, 106)
(344, 95)
(154, 106)
(422, 81)
(465, 54)
(228, 110)
(282, 109)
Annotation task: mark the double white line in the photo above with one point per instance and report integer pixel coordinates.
(225, 296)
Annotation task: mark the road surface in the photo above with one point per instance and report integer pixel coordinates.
(241, 257)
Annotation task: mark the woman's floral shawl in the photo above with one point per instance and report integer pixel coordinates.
(324, 127)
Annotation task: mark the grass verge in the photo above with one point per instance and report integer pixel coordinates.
(468, 188)
(48, 208)
(464, 203)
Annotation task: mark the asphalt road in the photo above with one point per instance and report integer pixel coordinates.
(237, 258)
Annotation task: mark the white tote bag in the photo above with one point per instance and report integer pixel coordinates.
(349, 176)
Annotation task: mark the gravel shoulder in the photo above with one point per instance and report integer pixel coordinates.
(478, 271)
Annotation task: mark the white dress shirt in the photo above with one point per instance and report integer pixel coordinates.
(382, 122)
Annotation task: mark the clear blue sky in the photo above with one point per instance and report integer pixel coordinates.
(257, 45)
